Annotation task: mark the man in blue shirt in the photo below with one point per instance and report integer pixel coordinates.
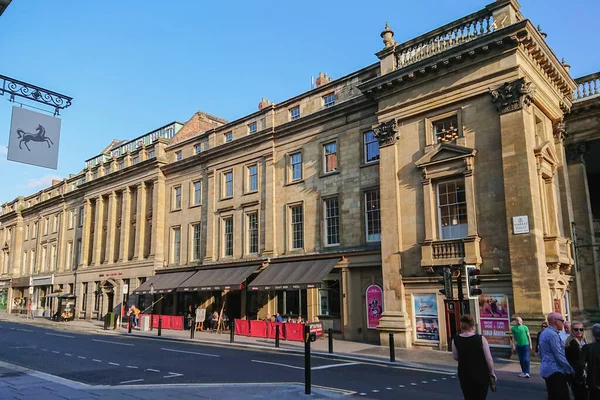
(555, 368)
(278, 318)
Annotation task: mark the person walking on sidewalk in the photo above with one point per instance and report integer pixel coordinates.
(32, 309)
(555, 369)
(475, 363)
(573, 346)
(591, 360)
(522, 344)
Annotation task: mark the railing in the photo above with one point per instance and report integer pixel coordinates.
(587, 86)
(448, 36)
(448, 249)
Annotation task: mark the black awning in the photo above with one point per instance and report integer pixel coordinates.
(293, 275)
(217, 279)
(164, 283)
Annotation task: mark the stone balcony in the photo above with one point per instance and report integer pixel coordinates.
(558, 251)
(437, 253)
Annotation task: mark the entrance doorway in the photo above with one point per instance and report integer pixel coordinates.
(452, 310)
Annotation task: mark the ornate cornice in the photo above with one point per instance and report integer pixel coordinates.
(576, 153)
(559, 130)
(513, 96)
(386, 133)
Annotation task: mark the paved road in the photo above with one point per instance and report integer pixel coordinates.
(98, 359)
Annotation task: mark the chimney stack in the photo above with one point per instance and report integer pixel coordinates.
(264, 103)
(322, 79)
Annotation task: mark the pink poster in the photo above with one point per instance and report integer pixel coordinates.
(374, 301)
(495, 331)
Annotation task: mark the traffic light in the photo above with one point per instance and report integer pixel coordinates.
(446, 273)
(473, 280)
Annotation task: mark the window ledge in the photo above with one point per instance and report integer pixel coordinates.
(370, 164)
(294, 182)
(196, 205)
(226, 198)
(176, 209)
(250, 192)
(326, 174)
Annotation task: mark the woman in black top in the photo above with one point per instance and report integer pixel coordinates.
(573, 346)
(475, 363)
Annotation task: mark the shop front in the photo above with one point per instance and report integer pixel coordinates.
(299, 291)
(19, 301)
(4, 288)
(42, 287)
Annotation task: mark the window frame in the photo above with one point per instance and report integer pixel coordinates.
(196, 244)
(252, 233)
(329, 96)
(366, 144)
(225, 184)
(324, 157)
(178, 155)
(367, 213)
(175, 245)
(249, 176)
(432, 119)
(151, 154)
(455, 204)
(197, 148)
(176, 198)
(228, 239)
(295, 113)
(196, 194)
(252, 128)
(327, 220)
(293, 240)
(291, 178)
(228, 137)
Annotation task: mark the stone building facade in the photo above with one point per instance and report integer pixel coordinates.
(427, 159)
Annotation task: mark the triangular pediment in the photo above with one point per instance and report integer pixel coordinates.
(547, 153)
(442, 152)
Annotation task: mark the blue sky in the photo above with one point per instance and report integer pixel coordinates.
(133, 66)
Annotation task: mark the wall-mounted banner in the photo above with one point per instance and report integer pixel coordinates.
(426, 317)
(374, 300)
(34, 138)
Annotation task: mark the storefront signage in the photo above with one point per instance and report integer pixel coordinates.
(21, 282)
(43, 280)
(426, 317)
(495, 319)
(520, 224)
(374, 300)
(110, 274)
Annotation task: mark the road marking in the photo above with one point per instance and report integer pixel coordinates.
(108, 341)
(132, 366)
(112, 363)
(334, 365)
(362, 394)
(25, 330)
(82, 357)
(401, 386)
(97, 360)
(273, 363)
(172, 375)
(375, 391)
(134, 380)
(58, 334)
(423, 381)
(191, 352)
(453, 377)
(434, 380)
(56, 352)
(413, 384)
(68, 355)
(388, 388)
(44, 349)
(444, 379)
(12, 329)
(153, 370)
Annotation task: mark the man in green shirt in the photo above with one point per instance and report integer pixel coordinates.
(522, 344)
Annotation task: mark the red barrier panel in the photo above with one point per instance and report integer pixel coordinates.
(294, 332)
(258, 328)
(177, 323)
(166, 321)
(155, 321)
(271, 329)
(242, 327)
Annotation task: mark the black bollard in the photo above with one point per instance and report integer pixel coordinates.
(330, 333)
(392, 348)
(192, 331)
(159, 326)
(106, 322)
(129, 324)
(307, 376)
(277, 336)
(232, 331)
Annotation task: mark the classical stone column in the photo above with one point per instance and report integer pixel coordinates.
(211, 217)
(394, 318)
(159, 202)
(268, 222)
(140, 224)
(109, 257)
(98, 228)
(86, 233)
(62, 262)
(588, 270)
(125, 225)
(531, 291)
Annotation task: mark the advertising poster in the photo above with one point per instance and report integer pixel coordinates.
(426, 317)
(374, 300)
(495, 319)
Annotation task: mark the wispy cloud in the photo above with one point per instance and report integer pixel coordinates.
(40, 183)
(3, 150)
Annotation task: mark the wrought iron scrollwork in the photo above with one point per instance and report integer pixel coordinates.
(35, 93)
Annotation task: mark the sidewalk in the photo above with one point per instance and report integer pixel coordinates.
(22, 383)
(413, 358)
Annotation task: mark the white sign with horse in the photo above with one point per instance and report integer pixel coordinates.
(34, 138)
